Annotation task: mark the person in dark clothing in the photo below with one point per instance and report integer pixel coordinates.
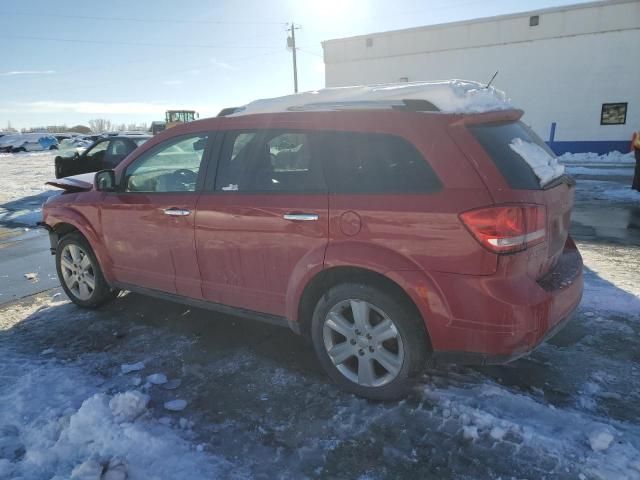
(635, 147)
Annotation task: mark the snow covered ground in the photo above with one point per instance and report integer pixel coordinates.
(159, 390)
(22, 188)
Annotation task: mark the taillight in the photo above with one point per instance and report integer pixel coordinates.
(507, 228)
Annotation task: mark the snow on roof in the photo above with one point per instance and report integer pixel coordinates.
(448, 96)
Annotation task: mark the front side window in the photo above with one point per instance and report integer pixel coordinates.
(97, 151)
(270, 160)
(172, 166)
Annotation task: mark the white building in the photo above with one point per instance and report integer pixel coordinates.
(574, 70)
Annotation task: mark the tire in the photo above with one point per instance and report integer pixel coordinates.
(391, 359)
(80, 274)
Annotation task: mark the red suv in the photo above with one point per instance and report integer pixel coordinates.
(390, 237)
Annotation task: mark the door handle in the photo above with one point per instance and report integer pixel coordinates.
(177, 212)
(301, 217)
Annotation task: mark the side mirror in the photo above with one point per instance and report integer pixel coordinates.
(105, 181)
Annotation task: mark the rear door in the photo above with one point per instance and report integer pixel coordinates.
(511, 159)
(148, 226)
(264, 222)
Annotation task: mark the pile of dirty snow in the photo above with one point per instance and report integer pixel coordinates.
(543, 165)
(450, 96)
(613, 158)
(57, 423)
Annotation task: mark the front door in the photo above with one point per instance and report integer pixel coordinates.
(265, 222)
(148, 226)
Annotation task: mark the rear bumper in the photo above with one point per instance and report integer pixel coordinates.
(505, 318)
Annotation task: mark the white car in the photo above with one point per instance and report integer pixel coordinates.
(28, 142)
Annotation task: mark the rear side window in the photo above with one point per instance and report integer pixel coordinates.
(496, 138)
(374, 163)
(269, 161)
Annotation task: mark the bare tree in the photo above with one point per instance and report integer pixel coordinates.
(100, 125)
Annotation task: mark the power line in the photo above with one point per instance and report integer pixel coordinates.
(132, 44)
(140, 19)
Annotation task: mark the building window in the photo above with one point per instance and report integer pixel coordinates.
(369, 42)
(534, 20)
(613, 114)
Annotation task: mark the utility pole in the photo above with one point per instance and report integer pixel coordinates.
(291, 43)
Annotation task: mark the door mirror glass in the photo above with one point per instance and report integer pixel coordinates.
(105, 181)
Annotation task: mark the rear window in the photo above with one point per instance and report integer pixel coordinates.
(374, 163)
(496, 138)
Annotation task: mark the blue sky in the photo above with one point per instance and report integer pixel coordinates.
(69, 61)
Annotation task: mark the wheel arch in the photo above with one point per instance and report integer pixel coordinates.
(67, 221)
(328, 278)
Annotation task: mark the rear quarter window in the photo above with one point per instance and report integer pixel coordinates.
(495, 138)
(374, 163)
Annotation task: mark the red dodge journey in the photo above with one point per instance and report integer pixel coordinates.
(391, 235)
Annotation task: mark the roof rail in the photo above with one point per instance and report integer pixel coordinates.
(447, 96)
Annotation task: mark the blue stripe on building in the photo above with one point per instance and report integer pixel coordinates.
(585, 146)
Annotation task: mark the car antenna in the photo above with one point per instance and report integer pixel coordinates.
(492, 79)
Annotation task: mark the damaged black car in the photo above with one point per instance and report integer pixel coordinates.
(105, 153)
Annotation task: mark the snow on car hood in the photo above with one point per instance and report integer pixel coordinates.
(449, 96)
(76, 183)
(543, 165)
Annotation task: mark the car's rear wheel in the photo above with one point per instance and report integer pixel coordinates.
(80, 273)
(368, 341)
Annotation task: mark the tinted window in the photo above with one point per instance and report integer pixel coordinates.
(496, 138)
(172, 166)
(269, 160)
(118, 149)
(374, 163)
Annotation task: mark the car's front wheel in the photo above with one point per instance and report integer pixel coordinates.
(80, 273)
(368, 341)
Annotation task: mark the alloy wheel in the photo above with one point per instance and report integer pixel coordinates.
(78, 271)
(363, 343)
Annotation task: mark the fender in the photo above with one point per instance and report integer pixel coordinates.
(54, 216)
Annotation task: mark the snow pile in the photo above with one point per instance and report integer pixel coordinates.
(615, 158)
(489, 411)
(450, 96)
(175, 405)
(543, 165)
(600, 440)
(132, 367)
(54, 425)
(157, 379)
(128, 406)
(604, 172)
